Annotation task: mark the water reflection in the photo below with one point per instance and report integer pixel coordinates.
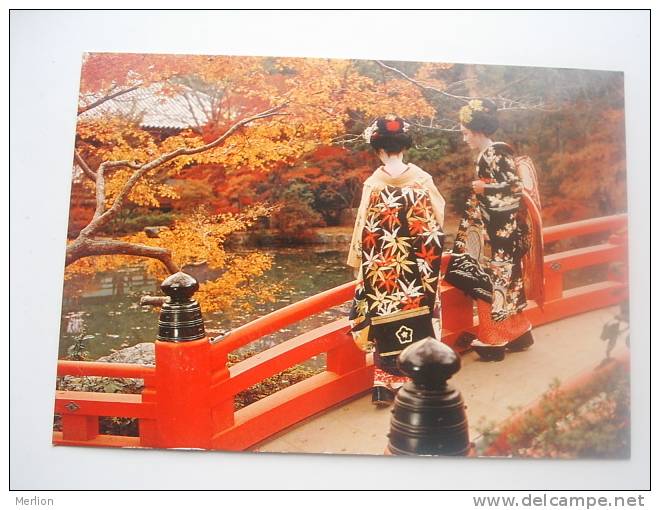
(106, 306)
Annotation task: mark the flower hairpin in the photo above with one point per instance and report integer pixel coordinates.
(466, 113)
(477, 105)
(393, 125)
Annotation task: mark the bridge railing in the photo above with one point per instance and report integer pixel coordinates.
(188, 400)
(80, 411)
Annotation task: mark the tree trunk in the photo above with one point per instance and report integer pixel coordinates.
(85, 247)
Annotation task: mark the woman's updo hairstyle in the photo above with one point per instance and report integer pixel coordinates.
(389, 133)
(480, 115)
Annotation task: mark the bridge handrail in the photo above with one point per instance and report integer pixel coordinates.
(126, 405)
(283, 317)
(584, 227)
(101, 369)
(583, 257)
(290, 314)
(294, 312)
(326, 339)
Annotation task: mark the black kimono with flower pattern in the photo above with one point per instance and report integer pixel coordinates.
(401, 257)
(490, 243)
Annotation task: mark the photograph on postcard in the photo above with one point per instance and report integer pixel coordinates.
(310, 255)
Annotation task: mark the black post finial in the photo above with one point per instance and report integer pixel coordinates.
(428, 417)
(181, 318)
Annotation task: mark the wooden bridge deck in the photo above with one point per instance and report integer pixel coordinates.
(562, 350)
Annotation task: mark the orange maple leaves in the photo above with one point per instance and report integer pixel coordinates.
(322, 98)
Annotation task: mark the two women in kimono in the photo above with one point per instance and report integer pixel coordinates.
(397, 244)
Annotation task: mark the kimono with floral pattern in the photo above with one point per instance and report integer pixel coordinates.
(490, 243)
(399, 241)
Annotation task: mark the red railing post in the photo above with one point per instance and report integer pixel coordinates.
(619, 272)
(183, 370)
(183, 382)
(554, 281)
(457, 310)
(148, 427)
(79, 428)
(222, 412)
(346, 357)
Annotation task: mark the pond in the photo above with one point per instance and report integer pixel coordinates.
(106, 307)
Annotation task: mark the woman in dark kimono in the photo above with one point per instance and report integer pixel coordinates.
(492, 239)
(396, 252)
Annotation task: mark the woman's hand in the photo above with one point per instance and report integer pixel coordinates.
(478, 186)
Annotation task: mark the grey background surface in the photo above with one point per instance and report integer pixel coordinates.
(45, 53)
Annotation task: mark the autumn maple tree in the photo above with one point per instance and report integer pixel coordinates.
(261, 112)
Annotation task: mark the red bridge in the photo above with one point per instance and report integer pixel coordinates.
(188, 397)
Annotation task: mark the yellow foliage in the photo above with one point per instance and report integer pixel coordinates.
(145, 192)
(240, 285)
(199, 239)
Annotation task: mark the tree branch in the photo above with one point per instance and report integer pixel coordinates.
(198, 125)
(86, 247)
(420, 84)
(101, 218)
(153, 300)
(502, 102)
(102, 100)
(347, 139)
(100, 182)
(440, 125)
(512, 83)
(83, 164)
(459, 82)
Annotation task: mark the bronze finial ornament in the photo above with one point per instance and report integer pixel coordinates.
(428, 417)
(180, 317)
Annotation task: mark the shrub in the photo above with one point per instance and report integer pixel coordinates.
(592, 421)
